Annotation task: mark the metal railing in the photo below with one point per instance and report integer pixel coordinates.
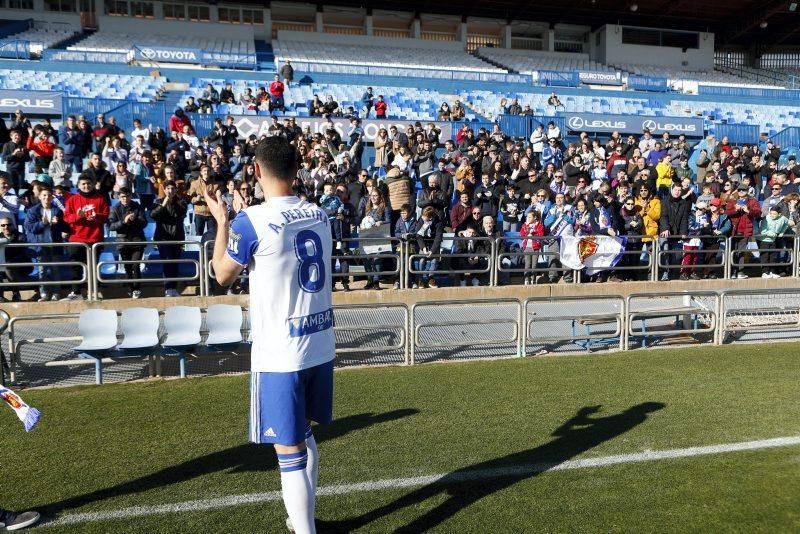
(98, 266)
(56, 279)
(499, 261)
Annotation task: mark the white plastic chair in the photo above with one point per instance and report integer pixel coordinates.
(183, 331)
(139, 328)
(99, 331)
(224, 322)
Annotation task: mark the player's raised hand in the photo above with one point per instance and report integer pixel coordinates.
(216, 206)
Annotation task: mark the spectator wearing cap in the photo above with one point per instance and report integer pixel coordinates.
(773, 227)
(743, 211)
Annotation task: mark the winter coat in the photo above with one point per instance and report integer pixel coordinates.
(743, 224)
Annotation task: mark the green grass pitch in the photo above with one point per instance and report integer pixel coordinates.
(103, 449)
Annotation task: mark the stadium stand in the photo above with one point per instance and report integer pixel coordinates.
(229, 52)
(336, 55)
(529, 62)
(770, 118)
(43, 38)
(87, 85)
(403, 102)
(703, 77)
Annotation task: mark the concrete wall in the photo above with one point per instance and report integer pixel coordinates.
(614, 51)
(367, 41)
(409, 297)
(132, 26)
(60, 20)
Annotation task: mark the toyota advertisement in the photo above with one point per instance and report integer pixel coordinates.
(168, 54)
(602, 123)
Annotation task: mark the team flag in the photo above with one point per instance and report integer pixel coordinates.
(594, 253)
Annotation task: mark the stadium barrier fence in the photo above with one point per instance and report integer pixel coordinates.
(508, 326)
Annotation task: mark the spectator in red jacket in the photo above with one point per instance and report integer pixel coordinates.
(40, 144)
(276, 89)
(178, 121)
(86, 213)
(743, 212)
(380, 108)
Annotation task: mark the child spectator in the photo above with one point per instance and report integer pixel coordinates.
(533, 227)
(773, 227)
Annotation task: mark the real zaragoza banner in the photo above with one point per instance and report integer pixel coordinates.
(594, 253)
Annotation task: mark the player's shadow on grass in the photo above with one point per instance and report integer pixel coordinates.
(240, 459)
(579, 434)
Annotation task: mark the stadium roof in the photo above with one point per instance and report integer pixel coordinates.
(732, 21)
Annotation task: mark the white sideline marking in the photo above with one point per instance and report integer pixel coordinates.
(459, 476)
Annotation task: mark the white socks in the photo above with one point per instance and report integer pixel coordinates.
(312, 468)
(298, 495)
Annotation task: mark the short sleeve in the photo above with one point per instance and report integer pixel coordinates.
(242, 239)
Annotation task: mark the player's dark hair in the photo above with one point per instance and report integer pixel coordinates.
(277, 158)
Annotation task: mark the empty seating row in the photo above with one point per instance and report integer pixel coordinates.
(140, 335)
(83, 84)
(215, 50)
(379, 56)
(530, 62)
(43, 38)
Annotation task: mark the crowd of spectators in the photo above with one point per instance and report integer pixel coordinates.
(478, 186)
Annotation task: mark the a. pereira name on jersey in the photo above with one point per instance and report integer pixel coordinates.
(299, 214)
(310, 324)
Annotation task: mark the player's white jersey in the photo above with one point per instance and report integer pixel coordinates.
(286, 244)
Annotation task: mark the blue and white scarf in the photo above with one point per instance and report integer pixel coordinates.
(27, 414)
